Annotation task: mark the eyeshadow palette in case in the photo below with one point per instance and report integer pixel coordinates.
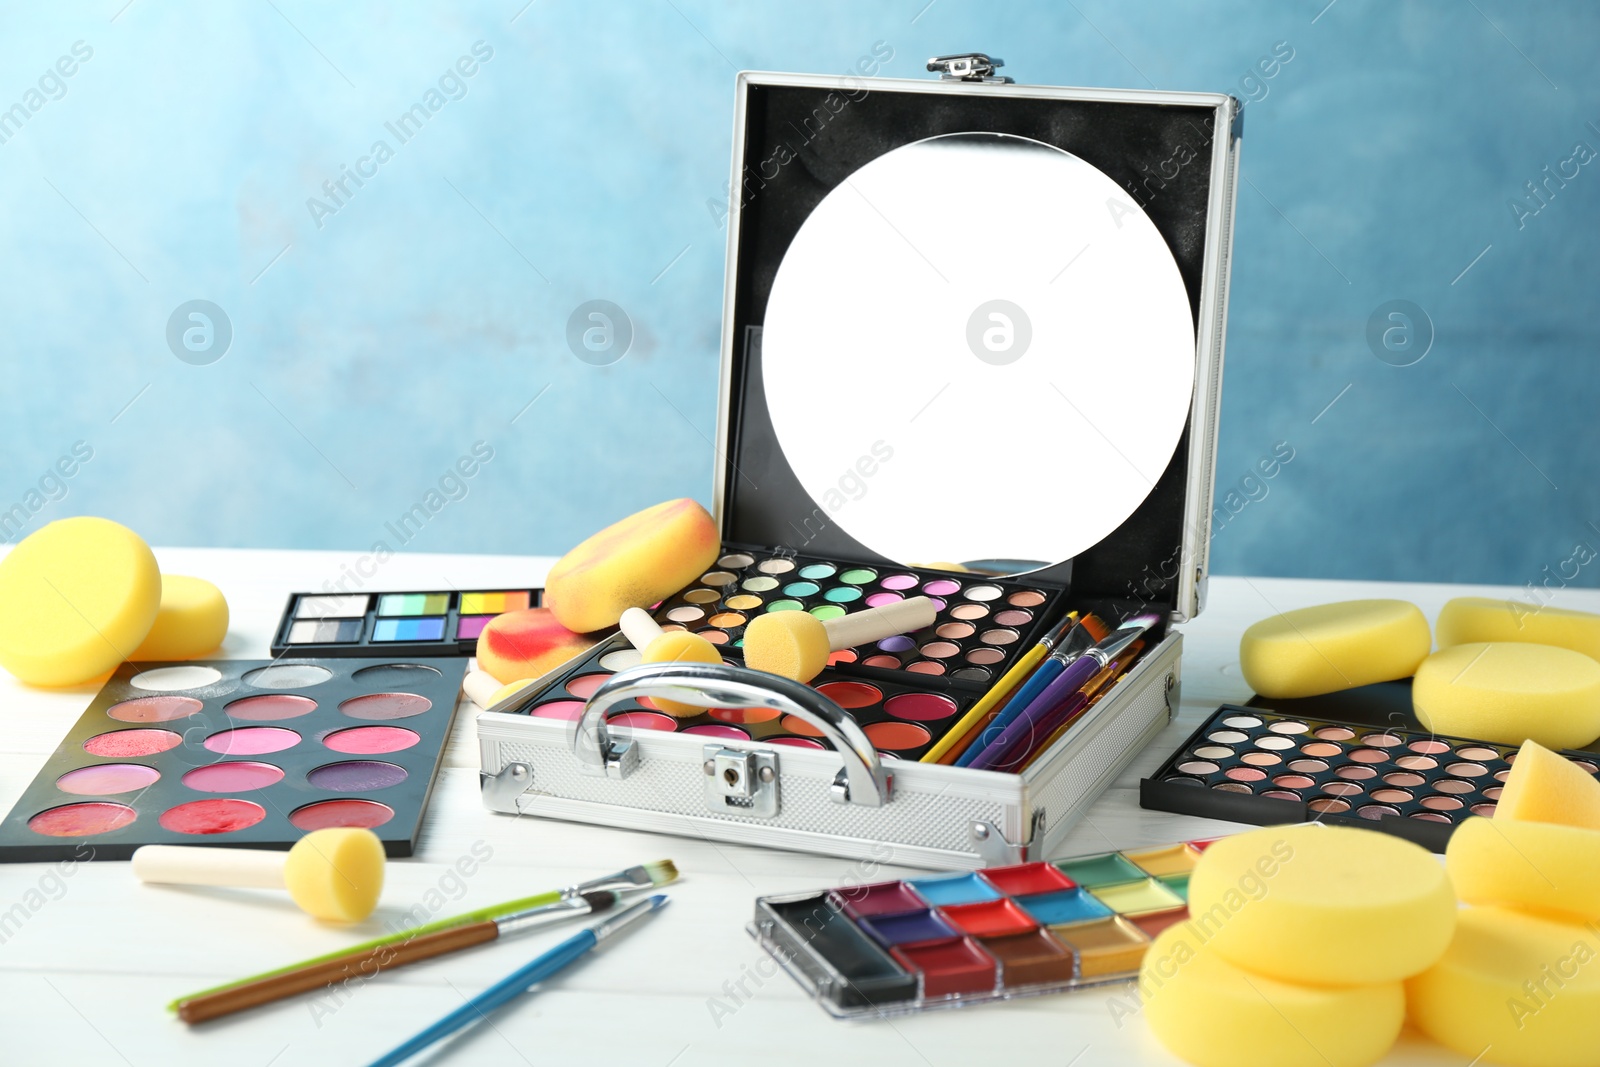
(428, 623)
(958, 939)
(1256, 766)
(1036, 379)
(254, 753)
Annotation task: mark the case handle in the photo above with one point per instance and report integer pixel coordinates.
(861, 781)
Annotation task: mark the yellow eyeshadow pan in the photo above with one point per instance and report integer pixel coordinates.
(1170, 859)
(1105, 946)
(1130, 898)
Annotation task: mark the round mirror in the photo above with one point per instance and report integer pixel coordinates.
(998, 333)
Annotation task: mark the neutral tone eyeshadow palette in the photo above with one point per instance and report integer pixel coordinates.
(956, 939)
(901, 720)
(429, 623)
(983, 624)
(254, 753)
(1255, 766)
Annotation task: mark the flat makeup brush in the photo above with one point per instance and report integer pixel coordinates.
(644, 876)
(365, 963)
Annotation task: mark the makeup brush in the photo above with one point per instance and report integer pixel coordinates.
(644, 876)
(366, 963)
(1077, 674)
(980, 717)
(520, 980)
(1078, 640)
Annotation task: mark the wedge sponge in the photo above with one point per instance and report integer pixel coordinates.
(1311, 651)
(192, 620)
(527, 643)
(1326, 905)
(1213, 1014)
(631, 564)
(1469, 619)
(1522, 987)
(80, 595)
(1510, 692)
(1537, 866)
(1545, 787)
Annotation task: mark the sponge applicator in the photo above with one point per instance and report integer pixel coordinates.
(1324, 649)
(631, 564)
(80, 596)
(795, 644)
(1510, 692)
(658, 646)
(1545, 787)
(1469, 619)
(191, 621)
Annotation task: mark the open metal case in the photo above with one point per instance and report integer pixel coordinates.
(805, 149)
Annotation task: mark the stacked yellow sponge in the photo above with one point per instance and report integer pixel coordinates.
(1299, 940)
(1520, 983)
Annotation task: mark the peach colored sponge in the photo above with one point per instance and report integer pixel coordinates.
(631, 564)
(527, 644)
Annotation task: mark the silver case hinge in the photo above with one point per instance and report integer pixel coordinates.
(968, 67)
(501, 789)
(741, 783)
(992, 847)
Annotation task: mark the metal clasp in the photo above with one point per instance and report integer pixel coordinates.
(968, 67)
(743, 783)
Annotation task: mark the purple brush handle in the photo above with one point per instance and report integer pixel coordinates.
(1069, 681)
(1026, 746)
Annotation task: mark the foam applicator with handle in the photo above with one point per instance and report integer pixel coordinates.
(656, 645)
(1330, 647)
(334, 874)
(631, 564)
(1510, 692)
(795, 644)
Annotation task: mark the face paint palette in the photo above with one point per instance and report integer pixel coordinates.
(983, 623)
(1255, 766)
(954, 939)
(253, 753)
(902, 721)
(430, 623)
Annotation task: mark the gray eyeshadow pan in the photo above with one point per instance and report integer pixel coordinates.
(325, 631)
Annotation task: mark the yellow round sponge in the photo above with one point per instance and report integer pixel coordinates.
(793, 644)
(1311, 651)
(1510, 692)
(631, 564)
(1469, 619)
(679, 646)
(1537, 866)
(1326, 905)
(1214, 1014)
(1522, 987)
(191, 621)
(336, 874)
(1546, 787)
(79, 595)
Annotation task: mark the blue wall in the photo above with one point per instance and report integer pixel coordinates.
(378, 337)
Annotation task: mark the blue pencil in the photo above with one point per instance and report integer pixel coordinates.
(517, 982)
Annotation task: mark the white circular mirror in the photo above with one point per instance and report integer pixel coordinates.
(998, 333)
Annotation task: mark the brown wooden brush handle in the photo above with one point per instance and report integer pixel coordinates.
(359, 966)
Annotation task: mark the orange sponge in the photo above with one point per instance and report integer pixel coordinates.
(631, 564)
(527, 644)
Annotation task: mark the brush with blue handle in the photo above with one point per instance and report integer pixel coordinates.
(1077, 641)
(517, 982)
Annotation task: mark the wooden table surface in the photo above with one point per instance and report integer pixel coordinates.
(88, 955)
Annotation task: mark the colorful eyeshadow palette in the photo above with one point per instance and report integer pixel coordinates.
(253, 753)
(983, 623)
(951, 940)
(1254, 766)
(903, 721)
(438, 623)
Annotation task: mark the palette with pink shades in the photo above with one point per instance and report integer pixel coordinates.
(254, 753)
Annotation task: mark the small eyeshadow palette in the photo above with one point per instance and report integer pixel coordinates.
(1254, 766)
(983, 623)
(253, 753)
(955, 939)
(437, 623)
(902, 721)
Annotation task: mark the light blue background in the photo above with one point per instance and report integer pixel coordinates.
(585, 160)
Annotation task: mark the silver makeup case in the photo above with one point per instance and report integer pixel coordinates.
(798, 138)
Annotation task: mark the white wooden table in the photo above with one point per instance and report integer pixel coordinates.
(89, 960)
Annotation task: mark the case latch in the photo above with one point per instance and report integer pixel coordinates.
(968, 67)
(741, 783)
